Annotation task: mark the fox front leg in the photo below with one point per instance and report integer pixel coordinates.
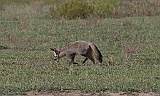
(72, 59)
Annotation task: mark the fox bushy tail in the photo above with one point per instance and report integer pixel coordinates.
(96, 52)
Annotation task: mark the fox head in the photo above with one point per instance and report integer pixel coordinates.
(56, 53)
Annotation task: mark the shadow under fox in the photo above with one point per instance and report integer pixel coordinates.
(83, 48)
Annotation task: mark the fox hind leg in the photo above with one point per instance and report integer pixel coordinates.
(88, 56)
(91, 58)
(85, 60)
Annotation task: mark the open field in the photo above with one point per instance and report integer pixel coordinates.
(130, 44)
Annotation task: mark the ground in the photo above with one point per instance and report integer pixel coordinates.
(79, 93)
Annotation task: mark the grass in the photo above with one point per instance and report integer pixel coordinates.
(131, 44)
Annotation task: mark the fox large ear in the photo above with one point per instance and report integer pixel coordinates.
(53, 49)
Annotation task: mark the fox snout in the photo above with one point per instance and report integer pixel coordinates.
(55, 59)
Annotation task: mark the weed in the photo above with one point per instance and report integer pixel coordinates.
(136, 9)
(72, 9)
(102, 8)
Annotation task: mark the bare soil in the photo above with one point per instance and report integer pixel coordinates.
(79, 93)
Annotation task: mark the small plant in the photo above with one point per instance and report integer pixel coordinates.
(72, 9)
(21, 1)
(52, 1)
(103, 7)
(136, 9)
(2, 2)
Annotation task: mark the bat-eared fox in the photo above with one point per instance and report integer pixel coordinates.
(83, 48)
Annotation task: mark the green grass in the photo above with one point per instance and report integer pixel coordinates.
(130, 44)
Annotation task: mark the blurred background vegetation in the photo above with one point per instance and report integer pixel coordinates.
(74, 9)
